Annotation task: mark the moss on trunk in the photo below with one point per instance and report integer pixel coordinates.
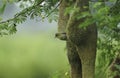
(81, 44)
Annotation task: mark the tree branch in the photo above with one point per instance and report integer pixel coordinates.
(54, 8)
(22, 12)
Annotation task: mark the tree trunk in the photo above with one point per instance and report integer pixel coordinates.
(74, 60)
(73, 57)
(81, 44)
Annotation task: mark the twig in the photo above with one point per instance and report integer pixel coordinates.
(54, 9)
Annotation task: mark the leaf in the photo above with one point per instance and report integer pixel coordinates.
(87, 22)
(2, 8)
(83, 15)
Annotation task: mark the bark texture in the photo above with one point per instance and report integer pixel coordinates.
(73, 57)
(74, 60)
(62, 21)
(81, 44)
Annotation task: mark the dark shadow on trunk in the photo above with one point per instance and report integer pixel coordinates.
(74, 60)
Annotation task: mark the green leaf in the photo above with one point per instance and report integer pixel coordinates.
(2, 8)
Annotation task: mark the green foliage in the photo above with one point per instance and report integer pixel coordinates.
(2, 8)
(108, 38)
(38, 8)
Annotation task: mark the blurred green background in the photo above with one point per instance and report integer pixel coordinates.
(33, 52)
(32, 56)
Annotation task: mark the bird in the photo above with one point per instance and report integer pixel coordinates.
(61, 36)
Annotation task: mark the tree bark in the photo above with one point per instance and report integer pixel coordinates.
(73, 57)
(74, 60)
(84, 40)
(81, 44)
